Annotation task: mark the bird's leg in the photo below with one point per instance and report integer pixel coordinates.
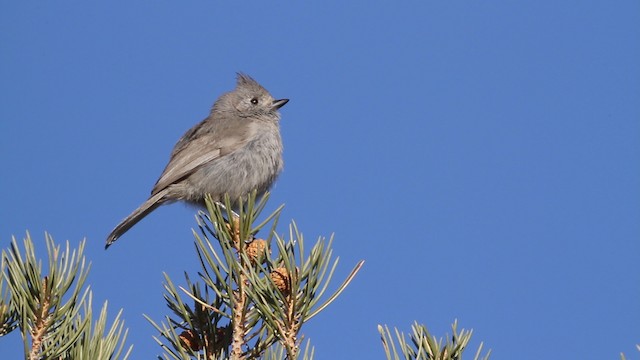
(235, 220)
(229, 211)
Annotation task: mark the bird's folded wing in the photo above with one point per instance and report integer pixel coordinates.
(185, 162)
(193, 155)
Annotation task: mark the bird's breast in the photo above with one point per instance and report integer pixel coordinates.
(254, 166)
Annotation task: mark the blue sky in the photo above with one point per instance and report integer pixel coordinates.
(483, 158)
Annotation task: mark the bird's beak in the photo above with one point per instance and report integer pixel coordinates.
(277, 104)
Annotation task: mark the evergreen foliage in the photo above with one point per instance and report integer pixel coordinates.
(249, 300)
(53, 309)
(421, 345)
(251, 294)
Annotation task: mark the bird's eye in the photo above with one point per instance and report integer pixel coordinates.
(254, 101)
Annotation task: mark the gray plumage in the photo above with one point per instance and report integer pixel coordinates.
(235, 150)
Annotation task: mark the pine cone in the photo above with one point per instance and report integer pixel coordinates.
(256, 251)
(235, 232)
(189, 339)
(280, 277)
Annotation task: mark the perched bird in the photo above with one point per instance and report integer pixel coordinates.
(237, 149)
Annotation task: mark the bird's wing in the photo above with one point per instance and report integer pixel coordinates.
(193, 154)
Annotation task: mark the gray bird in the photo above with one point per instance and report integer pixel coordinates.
(235, 150)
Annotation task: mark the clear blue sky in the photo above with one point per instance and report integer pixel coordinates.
(482, 157)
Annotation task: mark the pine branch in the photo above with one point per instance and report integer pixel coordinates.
(42, 321)
(254, 299)
(8, 314)
(53, 310)
(423, 346)
(238, 320)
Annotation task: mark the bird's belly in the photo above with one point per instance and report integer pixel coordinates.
(237, 174)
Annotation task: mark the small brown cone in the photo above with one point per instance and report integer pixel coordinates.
(280, 278)
(189, 339)
(256, 251)
(235, 231)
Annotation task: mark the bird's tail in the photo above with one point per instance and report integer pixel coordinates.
(138, 214)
